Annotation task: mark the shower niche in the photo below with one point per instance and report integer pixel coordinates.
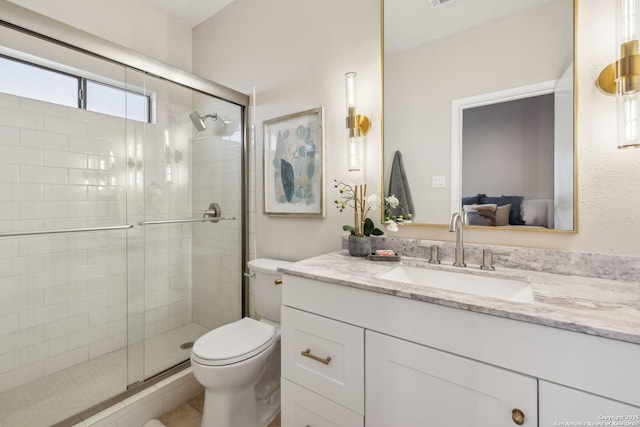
(109, 262)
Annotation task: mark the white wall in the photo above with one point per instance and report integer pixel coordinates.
(136, 25)
(296, 54)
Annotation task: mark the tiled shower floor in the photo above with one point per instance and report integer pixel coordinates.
(58, 396)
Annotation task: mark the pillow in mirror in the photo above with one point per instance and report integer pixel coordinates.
(483, 215)
(515, 217)
(502, 215)
(484, 207)
(488, 214)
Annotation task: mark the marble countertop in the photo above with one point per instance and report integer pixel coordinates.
(600, 307)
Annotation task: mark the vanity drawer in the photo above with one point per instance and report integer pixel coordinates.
(324, 356)
(301, 407)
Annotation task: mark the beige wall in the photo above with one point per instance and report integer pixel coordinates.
(296, 53)
(134, 24)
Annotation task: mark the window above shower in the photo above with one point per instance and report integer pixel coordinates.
(34, 81)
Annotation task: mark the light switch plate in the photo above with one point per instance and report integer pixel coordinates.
(438, 181)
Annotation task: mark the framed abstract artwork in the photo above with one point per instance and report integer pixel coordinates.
(293, 164)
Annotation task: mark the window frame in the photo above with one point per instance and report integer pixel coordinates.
(82, 92)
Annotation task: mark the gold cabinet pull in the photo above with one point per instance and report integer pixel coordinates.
(517, 416)
(277, 282)
(307, 353)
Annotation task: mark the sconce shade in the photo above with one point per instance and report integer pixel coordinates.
(357, 125)
(622, 77)
(354, 158)
(350, 89)
(628, 121)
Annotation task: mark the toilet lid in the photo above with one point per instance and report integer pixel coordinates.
(233, 343)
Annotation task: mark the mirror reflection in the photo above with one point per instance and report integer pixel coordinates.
(478, 111)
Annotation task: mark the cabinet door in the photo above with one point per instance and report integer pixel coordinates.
(301, 407)
(324, 356)
(412, 385)
(564, 406)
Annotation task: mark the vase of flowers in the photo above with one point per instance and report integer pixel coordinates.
(355, 196)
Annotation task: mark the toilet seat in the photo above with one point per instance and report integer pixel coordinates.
(233, 343)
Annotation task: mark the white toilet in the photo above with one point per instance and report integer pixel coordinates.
(239, 363)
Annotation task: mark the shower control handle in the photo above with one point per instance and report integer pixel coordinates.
(212, 212)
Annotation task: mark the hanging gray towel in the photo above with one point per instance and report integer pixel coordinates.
(399, 187)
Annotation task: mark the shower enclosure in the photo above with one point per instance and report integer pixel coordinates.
(121, 225)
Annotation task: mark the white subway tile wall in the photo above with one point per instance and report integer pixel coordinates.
(61, 297)
(217, 253)
(66, 298)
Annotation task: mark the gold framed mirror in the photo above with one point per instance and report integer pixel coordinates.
(479, 100)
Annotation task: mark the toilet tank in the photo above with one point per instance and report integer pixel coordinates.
(267, 290)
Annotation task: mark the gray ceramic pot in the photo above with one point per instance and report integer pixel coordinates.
(359, 245)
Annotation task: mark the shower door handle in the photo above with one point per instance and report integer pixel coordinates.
(64, 230)
(178, 221)
(211, 214)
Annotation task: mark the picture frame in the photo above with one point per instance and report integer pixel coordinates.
(293, 165)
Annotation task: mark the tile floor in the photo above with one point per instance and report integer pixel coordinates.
(190, 415)
(65, 393)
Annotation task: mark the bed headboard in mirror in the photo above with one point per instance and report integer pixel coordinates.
(479, 99)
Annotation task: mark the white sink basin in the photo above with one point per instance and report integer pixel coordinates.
(507, 288)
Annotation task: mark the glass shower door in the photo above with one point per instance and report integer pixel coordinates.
(63, 306)
(185, 274)
(107, 273)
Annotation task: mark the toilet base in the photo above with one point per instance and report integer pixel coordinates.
(268, 388)
(251, 405)
(267, 410)
(230, 408)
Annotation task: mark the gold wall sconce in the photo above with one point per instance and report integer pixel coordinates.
(622, 77)
(358, 125)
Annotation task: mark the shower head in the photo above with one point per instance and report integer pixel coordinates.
(198, 121)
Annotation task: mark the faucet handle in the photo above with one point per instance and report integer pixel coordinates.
(434, 257)
(487, 259)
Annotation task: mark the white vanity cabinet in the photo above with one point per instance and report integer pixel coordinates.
(561, 405)
(414, 385)
(302, 407)
(322, 370)
(416, 363)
